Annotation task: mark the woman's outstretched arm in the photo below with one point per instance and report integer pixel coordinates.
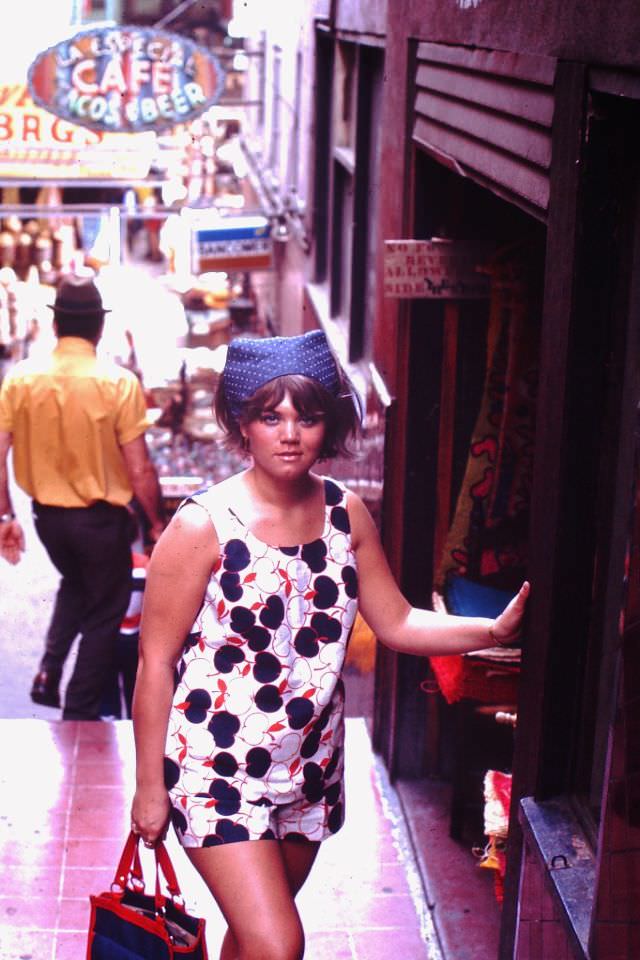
(409, 629)
(177, 578)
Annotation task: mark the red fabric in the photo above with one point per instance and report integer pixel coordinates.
(449, 674)
(131, 621)
(459, 677)
(497, 791)
(497, 796)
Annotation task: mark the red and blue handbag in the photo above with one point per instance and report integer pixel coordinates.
(127, 923)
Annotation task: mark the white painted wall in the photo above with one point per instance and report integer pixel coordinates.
(284, 29)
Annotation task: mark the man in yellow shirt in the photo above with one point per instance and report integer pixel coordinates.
(76, 424)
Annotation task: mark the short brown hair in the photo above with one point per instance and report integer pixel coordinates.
(341, 412)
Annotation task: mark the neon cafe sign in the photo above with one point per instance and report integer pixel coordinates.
(126, 79)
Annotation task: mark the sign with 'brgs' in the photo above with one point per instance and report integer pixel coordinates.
(126, 79)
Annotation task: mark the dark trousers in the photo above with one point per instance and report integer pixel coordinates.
(90, 547)
(121, 681)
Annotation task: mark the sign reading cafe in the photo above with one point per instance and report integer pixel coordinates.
(126, 79)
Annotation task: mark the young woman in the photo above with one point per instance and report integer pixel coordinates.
(251, 593)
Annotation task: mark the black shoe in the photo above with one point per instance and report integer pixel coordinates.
(45, 688)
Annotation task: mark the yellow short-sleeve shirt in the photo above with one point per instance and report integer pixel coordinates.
(68, 416)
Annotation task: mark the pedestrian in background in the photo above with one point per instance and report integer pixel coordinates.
(251, 594)
(117, 693)
(8, 320)
(76, 426)
(6, 338)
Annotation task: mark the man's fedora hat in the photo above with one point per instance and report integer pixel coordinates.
(78, 295)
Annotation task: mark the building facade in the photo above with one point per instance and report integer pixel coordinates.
(505, 421)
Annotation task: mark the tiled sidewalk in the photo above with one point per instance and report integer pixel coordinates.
(64, 798)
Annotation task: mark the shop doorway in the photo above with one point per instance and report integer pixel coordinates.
(472, 384)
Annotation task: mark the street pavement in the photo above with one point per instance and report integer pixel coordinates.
(26, 597)
(61, 842)
(364, 901)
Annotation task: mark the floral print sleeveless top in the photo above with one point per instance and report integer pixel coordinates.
(256, 724)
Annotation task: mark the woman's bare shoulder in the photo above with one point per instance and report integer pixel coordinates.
(209, 499)
(191, 517)
(188, 547)
(363, 528)
(226, 490)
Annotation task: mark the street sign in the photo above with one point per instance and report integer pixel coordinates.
(432, 269)
(126, 79)
(232, 243)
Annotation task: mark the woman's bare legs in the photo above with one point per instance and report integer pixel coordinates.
(254, 883)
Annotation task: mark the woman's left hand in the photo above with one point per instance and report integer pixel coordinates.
(507, 625)
(150, 813)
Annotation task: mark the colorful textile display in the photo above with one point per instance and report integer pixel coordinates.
(497, 799)
(491, 678)
(487, 537)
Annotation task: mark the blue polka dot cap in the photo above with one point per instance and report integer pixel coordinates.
(252, 363)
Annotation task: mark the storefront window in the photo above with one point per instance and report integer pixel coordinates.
(347, 114)
(322, 150)
(344, 172)
(341, 238)
(345, 102)
(362, 307)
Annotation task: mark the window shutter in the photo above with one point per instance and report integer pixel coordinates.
(488, 114)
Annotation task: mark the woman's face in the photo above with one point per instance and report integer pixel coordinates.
(283, 441)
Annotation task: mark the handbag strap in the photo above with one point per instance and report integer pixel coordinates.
(163, 862)
(137, 878)
(130, 867)
(129, 862)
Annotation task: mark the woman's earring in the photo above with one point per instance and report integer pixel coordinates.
(246, 446)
